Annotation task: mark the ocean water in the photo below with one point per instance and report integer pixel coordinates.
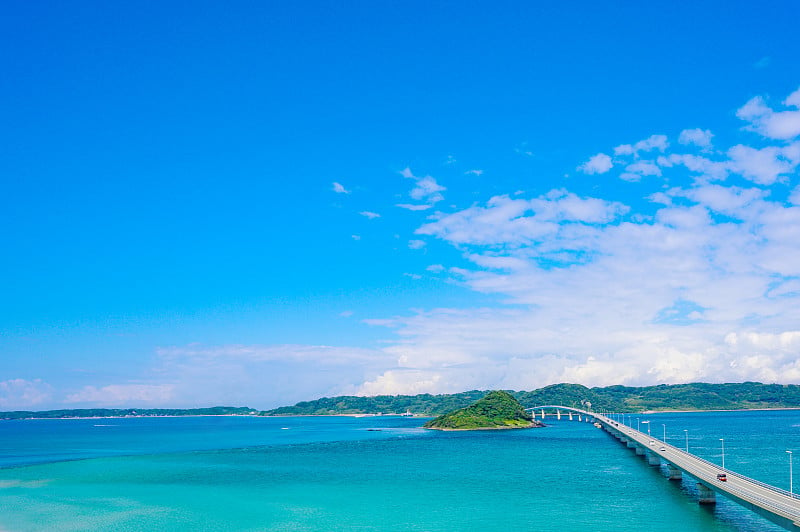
(372, 473)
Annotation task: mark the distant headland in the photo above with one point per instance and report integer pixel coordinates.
(663, 397)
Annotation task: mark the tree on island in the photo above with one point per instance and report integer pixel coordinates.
(497, 410)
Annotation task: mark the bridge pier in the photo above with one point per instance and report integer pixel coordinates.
(706, 494)
(639, 451)
(653, 459)
(673, 473)
(630, 444)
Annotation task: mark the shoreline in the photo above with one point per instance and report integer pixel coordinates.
(715, 410)
(447, 429)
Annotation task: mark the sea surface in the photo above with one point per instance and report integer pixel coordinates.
(373, 473)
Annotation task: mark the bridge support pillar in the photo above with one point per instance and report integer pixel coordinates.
(639, 451)
(673, 473)
(707, 495)
(630, 444)
(653, 459)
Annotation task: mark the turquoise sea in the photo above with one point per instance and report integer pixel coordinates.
(372, 473)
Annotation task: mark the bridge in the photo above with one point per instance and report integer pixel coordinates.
(777, 505)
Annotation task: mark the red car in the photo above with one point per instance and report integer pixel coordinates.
(722, 477)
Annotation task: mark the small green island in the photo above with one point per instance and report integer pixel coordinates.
(497, 410)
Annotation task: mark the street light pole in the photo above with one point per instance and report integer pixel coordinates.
(686, 433)
(665, 432)
(638, 424)
(791, 487)
(723, 452)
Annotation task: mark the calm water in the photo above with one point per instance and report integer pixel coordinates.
(320, 474)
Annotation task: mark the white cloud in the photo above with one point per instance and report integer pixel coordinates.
(706, 169)
(427, 189)
(643, 168)
(794, 197)
(764, 166)
(339, 188)
(413, 207)
(782, 125)
(19, 394)
(597, 164)
(369, 214)
(355, 237)
(698, 137)
(475, 172)
(701, 284)
(416, 244)
(517, 222)
(653, 142)
(123, 394)
(265, 376)
(702, 288)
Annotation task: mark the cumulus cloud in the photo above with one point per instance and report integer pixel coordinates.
(698, 137)
(369, 214)
(339, 188)
(782, 125)
(763, 166)
(630, 314)
(597, 164)
(123, 394)
(426, 190)
(413, 207)
(416, 244)
(515, 222)
(703, 168)
(639, 169)
(265, 376)
(19, 394)
(705, 285)
(653, 142)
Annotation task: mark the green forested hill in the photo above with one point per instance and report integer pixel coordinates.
(694, 396)
(498, 410)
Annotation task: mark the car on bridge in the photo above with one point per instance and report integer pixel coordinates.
(722, 477)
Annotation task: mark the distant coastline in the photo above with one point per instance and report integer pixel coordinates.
(678, 398)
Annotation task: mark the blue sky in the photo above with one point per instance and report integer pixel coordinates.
(262, 203)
